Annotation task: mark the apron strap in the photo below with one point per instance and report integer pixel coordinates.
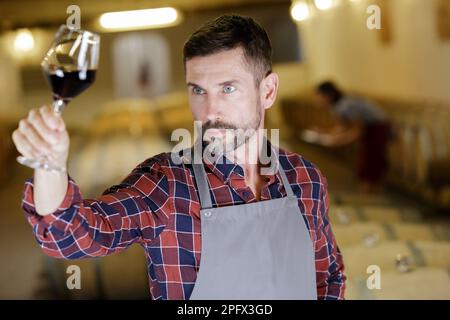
(200, 175)
(286, 184)
(203, 185)
(284, 179)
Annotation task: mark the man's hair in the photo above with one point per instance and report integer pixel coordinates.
(229, 32)
(330, 90)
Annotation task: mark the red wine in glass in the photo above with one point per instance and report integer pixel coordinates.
(69, 66)
(68, 84)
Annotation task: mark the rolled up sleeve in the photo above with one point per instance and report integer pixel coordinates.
(82, 228)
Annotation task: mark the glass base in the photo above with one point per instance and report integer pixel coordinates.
(40, 163)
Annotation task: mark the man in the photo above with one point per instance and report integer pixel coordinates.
(359, 121)
(217, 229)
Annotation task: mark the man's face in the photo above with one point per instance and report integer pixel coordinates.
(222, 94)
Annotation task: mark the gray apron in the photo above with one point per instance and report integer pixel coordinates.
(259, 250)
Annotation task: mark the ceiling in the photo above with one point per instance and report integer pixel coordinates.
(34, 13)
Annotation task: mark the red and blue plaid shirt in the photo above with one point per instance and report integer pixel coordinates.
(157, 206)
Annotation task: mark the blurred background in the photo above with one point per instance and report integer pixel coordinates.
(139, 98)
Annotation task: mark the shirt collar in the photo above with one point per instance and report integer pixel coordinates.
(223, 167)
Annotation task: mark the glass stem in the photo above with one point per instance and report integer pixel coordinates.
(58, 105)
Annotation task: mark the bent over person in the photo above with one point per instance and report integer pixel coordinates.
(220, 228)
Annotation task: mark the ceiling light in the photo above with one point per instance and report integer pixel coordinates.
(300, 11)
(323, 4)
(24, 41)
(139, 19)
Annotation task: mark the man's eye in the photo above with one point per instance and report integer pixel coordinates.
(228, 89)
(197, 90)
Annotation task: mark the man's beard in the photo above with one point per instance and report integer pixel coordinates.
(234, 136)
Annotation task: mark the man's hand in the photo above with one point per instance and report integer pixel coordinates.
(43, 132)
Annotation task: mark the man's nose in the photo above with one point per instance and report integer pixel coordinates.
(213, 109)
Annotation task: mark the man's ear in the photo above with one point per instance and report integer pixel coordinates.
(268, 90)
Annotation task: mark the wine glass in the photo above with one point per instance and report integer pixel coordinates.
(69, 66)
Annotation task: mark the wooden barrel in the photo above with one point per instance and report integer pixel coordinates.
(408, 140)
(7, 150)
(422, 283)
(173, 112)
(371, 233)
(120, 137)
(360, 199)
(420, 253)
(300, 112)
(344, 214)
(117, 276)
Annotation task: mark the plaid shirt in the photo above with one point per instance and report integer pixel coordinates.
(157, 206)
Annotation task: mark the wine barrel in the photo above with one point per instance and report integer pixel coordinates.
(408, 136)
(371, 233)
(422, 283)
(121, 275)
(360, 199)
(385, 254)
(174, 112)
(122, 135)
(344, 214)
(300, 112)
(7, 150)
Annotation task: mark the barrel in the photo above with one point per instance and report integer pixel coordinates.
(344, 214)
(121, 275)
(300, 112)
(123, 134)
(7, 150)
(118, 139)
(173, 112)
(360, 199)
(385, 254)
(370, 233)
(423, 283)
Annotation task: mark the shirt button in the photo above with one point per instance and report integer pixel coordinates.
(207, 214)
